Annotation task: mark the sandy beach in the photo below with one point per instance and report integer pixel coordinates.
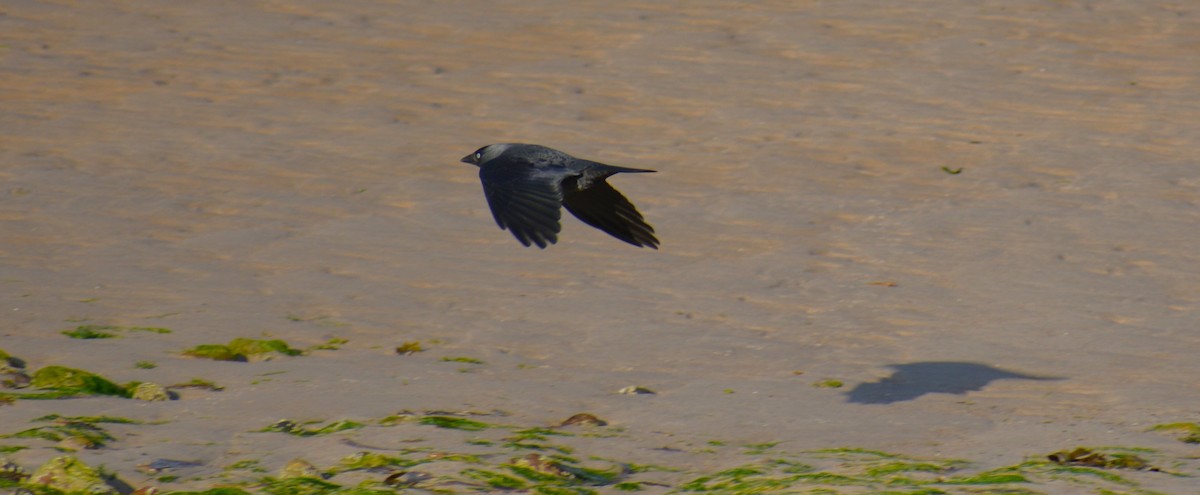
(958, 233)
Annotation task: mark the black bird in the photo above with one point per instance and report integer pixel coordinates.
(526, 185)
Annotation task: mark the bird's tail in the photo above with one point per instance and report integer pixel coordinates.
(613, 169)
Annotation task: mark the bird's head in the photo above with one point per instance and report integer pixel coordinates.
(485, 154)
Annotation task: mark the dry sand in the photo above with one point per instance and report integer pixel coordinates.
(290, 169)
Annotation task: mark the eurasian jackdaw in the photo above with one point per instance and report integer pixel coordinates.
(526, 185)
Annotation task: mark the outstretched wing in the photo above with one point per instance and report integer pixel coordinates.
(605, 208)
(523, 201)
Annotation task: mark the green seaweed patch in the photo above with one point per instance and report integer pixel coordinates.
(454, 423)
(90, 332)
(73, 432)
(850, 453)
(519, 445)
(226, 490)
(215, 352)
(333, 344)
(395, 419)
(242, 349)
(1076, 472)
(371, 460)
(538, 434)
(461, 359)
(545, 474)
(407, 348)
(565, 470)
(1083, 456)
(298, 486)
(760, 448)
(767, 477)
(89, 419)
(495, 480)
(64, 382)
(1191, 431)
(69, 434)
(108, 331)
(67, 474)
(1001, 476)
(741, 478)
(251, 465)
(874, 471)
(294, 428)
(890, 468)
(199, 383)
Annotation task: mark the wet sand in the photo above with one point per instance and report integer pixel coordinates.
(290, 170)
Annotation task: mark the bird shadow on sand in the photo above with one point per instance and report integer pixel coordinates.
(913, 380)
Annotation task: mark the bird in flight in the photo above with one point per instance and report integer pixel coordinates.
(526, 185)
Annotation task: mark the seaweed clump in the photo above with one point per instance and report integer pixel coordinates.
(66, 381)
(1082, 456)
(70, 475)
(242, 350)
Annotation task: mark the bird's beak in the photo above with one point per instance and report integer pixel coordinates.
(469, 159)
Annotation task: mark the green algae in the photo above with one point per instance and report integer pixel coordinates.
(216, 491)
(90, 332)
(67, 474)
(890, 468)
(7, 359)
(760, 448)
(71, 381)
(199, 383)
(72, 432)
(215, 352)
(297, 486)
(252, 465)
(371, 460)
(1191, 431)
(409, 348)
(83, 435)
(242, 349)
(498, 457)
(884, 472)
(293, 428)
(454, 423)
(494, 479)
(537, 434)
(333, 344)
(107, 331)
(89, 419)
(1083, 456)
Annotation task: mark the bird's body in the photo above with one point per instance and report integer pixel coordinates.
(526, 186)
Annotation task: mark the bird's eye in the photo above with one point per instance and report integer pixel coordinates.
(478, 156)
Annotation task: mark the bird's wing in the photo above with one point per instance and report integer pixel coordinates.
(524, 202)
(605, 208)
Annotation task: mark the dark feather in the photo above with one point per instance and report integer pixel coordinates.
(605, 208)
